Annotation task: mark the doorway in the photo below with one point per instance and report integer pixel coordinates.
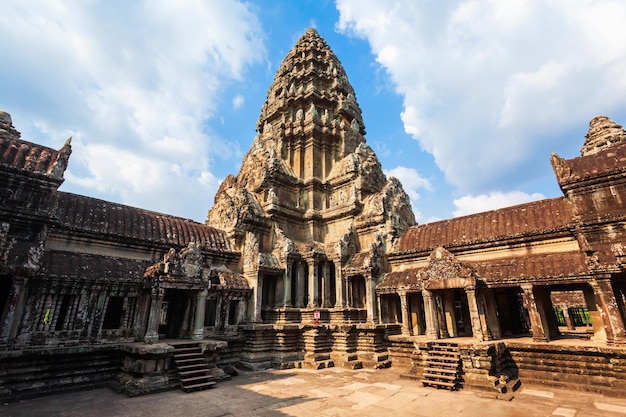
(174, 321)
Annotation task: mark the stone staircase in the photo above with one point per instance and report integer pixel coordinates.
(443, 366)
(194, 373)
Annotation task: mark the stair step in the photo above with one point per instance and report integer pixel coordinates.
(191, 366)
(188, 360)
(194, 355)
(437, 377)
(182, 374)
(443, 358)
(439, 383)
(197, 387)
(442, 370)
(186, 380)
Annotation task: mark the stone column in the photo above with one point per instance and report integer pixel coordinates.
(326, 278)
(15, 307)
(404, 306)
(152, 332)
(472, 304)
(568, 320)
(340, 286)
(287, 285)
(198, 328)
(313, 284)
(300, 285)
(536, 319)
(441, 317)
(430, 312)
(370, 300)
(611, 316)
(380, 309)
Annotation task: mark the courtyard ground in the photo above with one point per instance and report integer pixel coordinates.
(327, 392)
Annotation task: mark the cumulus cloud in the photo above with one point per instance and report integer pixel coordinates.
(471, 204)
(412, 182)
(136, 86)
(488, 85)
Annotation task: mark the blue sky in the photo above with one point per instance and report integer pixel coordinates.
(463, 101)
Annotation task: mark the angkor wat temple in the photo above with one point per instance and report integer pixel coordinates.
(311, 257)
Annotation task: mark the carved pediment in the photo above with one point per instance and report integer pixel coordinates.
(444, 270)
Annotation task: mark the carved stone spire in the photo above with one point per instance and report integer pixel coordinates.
(603, 132)
(310, 169)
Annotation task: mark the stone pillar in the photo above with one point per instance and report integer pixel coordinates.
(15, 307)
(313, 284)
(340, 286)
(477, 330)
(198, 326)
(380, 309)
(152, 332)
(430, 310)
(370, 300)
(404, 306)
(568, 320)
(300, 285)
(441, 317)
(536, 319)
(610, 313)
(326, 283)
(258, 299)
(287, 285)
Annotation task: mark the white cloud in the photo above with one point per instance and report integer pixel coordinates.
(412, 182)
(471, 204)
(135, 86)
(489, 84)
(238, 101)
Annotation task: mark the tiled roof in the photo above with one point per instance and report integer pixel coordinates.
(523, 220)
(535, 268)
(33, 158)
(93, 216)
(69, 265)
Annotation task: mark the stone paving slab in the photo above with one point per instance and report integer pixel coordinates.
(324, 393)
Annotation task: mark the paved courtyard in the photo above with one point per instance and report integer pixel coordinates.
(328, 392)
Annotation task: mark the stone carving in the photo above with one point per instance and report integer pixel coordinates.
(346, 246)
(603, 133)
(560, 167)
(234, 205)
(251, 251)
(444, 265)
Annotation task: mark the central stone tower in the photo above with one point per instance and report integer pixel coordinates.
(311, 208)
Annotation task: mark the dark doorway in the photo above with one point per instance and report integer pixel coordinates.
(462, 314)
(512, 314)
(356, 288)
(6, 283)
(174, 312)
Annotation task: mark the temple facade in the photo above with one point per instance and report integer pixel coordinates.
(310, 257)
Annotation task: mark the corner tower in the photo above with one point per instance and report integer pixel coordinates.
(311, 193)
